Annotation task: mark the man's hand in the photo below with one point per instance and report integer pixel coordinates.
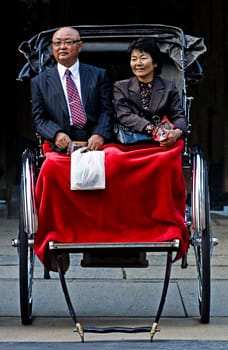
(62, 140)
(95, 142)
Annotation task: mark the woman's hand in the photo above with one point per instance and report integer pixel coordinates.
(170, 137)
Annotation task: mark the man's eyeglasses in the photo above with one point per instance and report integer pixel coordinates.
(65, 43)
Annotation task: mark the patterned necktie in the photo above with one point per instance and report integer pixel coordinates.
(76, 108)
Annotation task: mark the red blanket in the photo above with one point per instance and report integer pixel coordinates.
(144, 200)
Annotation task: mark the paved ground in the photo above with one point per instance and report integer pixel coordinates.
(57, 334)
(120, 345)
(59, 329)
(106, 293)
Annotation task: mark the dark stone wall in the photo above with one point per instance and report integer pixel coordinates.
(205, 18)
(209, 119)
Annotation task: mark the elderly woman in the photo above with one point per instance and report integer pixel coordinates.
(146, 94)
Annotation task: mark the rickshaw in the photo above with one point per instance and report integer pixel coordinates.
(106, 46)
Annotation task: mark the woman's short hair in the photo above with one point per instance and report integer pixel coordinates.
(149, 46)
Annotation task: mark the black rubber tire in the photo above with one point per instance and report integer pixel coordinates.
(201, 238)
(205, 259)
(26, 265)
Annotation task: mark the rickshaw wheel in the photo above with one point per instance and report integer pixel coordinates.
(26, 267)
(202, 239)
(204, 256)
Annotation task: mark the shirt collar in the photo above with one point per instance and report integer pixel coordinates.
(74, 69)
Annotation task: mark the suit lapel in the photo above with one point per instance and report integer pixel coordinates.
(56, 87)
(134, 91)
(157, 95)
(85, 81)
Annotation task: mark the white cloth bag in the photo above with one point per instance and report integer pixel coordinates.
(87, 169)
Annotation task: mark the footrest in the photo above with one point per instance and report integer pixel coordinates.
(114, 254)
(173, 245)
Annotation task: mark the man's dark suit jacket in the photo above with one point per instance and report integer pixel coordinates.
(165, 100)
(49, 107)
